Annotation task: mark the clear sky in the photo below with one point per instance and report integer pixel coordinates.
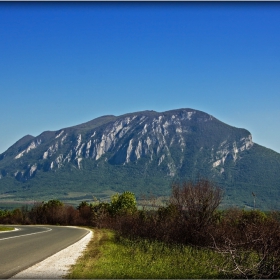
(65, 63)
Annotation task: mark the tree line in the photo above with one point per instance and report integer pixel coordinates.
(55, 212)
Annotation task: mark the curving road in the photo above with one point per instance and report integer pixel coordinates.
(31, 244)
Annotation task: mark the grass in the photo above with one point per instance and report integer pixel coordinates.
(108, 257)
(2, 228)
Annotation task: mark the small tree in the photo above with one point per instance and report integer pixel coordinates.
(54, 211)
(85, 213)
(124, 203)
(197, 201)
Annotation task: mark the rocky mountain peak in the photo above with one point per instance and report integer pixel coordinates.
(161, 137)
(146, 145)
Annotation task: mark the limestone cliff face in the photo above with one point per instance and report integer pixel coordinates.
(143, 152)
(166, 140)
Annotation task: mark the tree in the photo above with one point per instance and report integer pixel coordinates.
(123, 203)
(54, 211)
(196, 201)
(85, 213)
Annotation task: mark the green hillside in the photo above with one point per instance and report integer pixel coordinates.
(143, 152)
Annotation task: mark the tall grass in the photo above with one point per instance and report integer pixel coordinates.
(114, 257)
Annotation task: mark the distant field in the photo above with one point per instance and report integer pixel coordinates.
(10, 202)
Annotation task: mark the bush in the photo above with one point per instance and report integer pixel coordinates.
(185, 219)
(250, 244)
(123, 203)
(53, 212)
(197, 202)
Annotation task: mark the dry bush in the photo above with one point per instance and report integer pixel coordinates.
(196, 203)
(186, 219)
(53, 212)
(250, 244)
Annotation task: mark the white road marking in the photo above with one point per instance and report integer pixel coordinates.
(48, 229)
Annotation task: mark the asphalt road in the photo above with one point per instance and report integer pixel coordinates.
(31, 244)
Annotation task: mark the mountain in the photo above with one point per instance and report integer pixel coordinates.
(143, 152)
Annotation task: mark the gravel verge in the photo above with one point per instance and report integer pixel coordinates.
(57, 265)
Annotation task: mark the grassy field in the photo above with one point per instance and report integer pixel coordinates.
(4, 228)
(109, 257)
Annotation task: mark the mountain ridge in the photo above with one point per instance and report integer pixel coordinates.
(143, 152)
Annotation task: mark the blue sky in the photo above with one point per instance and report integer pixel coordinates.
(62, 64)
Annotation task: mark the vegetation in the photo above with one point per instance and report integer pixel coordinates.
(205, 240)
(123, 204)
(114, 257)
(2, 228)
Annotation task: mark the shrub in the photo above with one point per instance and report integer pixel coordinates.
(123, 203)
(250, 244)
(197, 203)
